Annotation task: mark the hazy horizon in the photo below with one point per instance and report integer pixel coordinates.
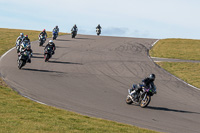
(128, 18)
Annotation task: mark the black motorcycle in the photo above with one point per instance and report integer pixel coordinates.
(42, 40)
(74, 33)
(23, 58)
(98, 32)
(47, 54)
(142, 97)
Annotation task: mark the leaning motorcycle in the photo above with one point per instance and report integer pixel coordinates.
(47, 54)
(42, 40)
(23, 58)
(55, 35)
(98, 32)
(141, 97)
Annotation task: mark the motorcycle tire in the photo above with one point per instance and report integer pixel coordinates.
(146, 102)
(41, 43)
(46, 57)
(20, 64)
(129, 100)
(54, 37)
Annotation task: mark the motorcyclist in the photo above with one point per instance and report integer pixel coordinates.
(26, 38)
(56, 29)
(74, 28)
(98, 27)
(25, 46)
(51, 45)
(19, 41)
(147, 83)
(20, 37)
(43, 33)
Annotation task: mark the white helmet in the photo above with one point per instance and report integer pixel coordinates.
(50, 41)
(21, 34)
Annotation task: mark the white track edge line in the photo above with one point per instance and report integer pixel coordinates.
(20, 93)
(6, 53)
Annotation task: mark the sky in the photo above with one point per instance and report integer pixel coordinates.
(125, 18)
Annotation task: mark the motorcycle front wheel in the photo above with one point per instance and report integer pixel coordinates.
(41, 43)
(20, 64)
(144, 103)
(46, 57)
(129, 100)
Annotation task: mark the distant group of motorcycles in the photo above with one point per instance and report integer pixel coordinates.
(139, 94)
(23, 45)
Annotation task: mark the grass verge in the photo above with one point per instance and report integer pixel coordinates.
(8, 37)
(186, 49)
(189, 72)
(19, 114)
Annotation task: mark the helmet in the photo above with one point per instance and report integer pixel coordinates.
(44, 30)
(152, 76)
(26, 36)
(21, 34)
(74, 25)
(50, 41)
(56, 26)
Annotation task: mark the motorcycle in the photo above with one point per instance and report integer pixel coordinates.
(55, 35)
(142, 97)
(23, 58)
(42, 40)
(18, 45)
(47, 54)
(74, 33)
(98, 32)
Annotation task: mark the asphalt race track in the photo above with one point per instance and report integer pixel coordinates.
(91, 75)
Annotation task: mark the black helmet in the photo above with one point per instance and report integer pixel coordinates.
(152, 76)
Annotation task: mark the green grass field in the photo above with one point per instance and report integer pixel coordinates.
(189, 72)
(187, 49)
(19, 114)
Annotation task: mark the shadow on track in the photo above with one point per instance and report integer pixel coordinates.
(61, 40)
(61, 47)
(37, 70)
(65, 62)
(83, 38)
(38, 57)
(172, 110)
(38, 54)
